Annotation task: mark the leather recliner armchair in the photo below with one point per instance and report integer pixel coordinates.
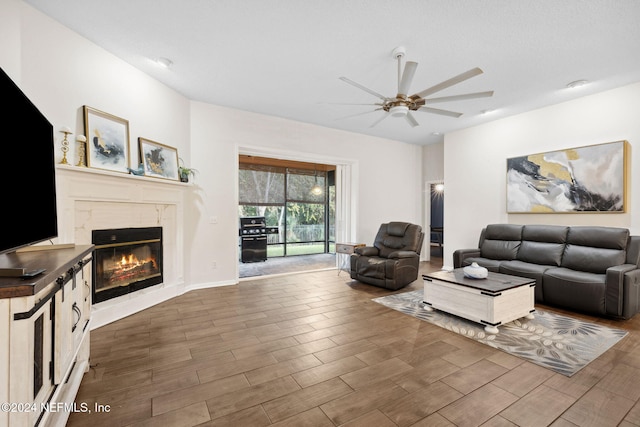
(393, 260)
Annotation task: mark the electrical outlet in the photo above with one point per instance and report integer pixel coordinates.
(213, 219)
(214, 265)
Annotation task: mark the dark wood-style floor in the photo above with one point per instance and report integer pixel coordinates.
(312, 349)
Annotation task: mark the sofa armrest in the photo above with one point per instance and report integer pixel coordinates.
(460, 255)
(631, 304)
(614, 292)
(402, 254)
(367, 251)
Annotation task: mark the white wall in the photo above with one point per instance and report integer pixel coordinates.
(10, 36)
(475, 162)
(61, 71)
(387, 181)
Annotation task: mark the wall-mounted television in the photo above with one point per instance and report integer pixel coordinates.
(29, 213)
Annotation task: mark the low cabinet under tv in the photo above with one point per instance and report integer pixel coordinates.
(44, 328)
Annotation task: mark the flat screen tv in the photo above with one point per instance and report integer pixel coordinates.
(29, 212)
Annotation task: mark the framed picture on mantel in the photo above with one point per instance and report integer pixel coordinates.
(158, 160)
(107, 140)
(575, 180)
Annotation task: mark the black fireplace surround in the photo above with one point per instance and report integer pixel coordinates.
(125, 260)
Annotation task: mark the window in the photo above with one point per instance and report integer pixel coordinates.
(261, 185)
(284, 197)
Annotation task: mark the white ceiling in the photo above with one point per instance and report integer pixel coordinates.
(285, 57)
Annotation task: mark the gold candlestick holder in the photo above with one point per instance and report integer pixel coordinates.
(65, 145)
(82, 150)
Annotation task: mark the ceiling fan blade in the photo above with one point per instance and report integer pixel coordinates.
(407, 78)
(349, 103)
(441, 112)
(366, 89)
(448, 83)
(384, 116)
(412, 120)
(359, 114)
(459, 97)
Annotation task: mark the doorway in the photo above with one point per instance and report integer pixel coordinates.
(296, 202)
(436, 219)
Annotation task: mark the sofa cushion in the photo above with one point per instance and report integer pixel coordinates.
(599, 237)
(503, 232)
(499, 249)
(592, 260)
(577, 290)
(543, 244)
(541, 253)
(545, 233)
(525, 269)
(594, 249)
(501, 241)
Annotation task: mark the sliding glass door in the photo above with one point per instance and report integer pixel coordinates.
(299, 202)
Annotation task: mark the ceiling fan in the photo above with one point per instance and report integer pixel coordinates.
(401, 105)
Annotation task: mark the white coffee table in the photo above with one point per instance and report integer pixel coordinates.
(494, 301)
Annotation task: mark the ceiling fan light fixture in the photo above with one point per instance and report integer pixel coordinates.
(399, 110)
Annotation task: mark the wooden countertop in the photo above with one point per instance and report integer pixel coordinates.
(56, 262)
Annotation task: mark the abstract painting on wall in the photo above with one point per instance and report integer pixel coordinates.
(584, 179)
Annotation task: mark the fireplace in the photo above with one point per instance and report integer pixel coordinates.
(125, 260)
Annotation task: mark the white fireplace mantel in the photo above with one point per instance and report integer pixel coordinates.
(90, 199)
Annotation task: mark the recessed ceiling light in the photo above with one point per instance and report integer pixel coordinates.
(164, 62)
(487, 111)
(577, 83)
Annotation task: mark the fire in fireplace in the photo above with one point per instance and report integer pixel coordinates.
(126, 260)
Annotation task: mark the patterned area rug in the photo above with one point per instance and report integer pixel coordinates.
(562, 344)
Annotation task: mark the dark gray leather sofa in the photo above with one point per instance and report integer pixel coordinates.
(393, 260)
(594, 270)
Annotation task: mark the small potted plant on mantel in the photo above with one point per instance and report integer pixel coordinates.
(184, 172)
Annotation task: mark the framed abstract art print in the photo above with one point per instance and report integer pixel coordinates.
(107, 140)
(158, 160)
(584, 179)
